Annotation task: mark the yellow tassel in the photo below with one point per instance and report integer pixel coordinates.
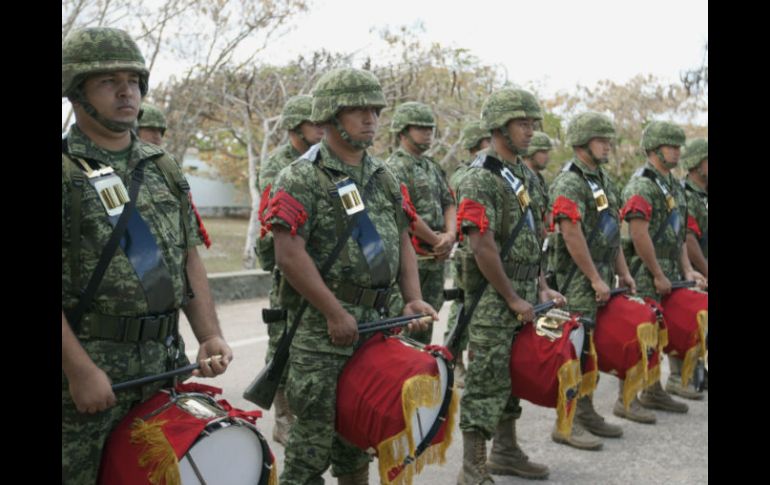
(590, 379)
(662, 339)
(157, 453)
(569, 378)
(634, 382)
(648, 336)
(703, 328)
(273, 478)
(693, 354)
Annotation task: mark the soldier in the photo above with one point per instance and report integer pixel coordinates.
(120, 310)
(695, 161)
(655, 208)
(473, 139)
(536, 158)
(308, 219)
(495, 208)
(433, 231)
(152, 124)
(295, 118)
(585, 206)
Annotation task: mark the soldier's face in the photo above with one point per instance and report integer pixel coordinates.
(150, 135)
(703, 169)
(484, 143)
(521, 130)
(540, 159)
(115, 95)
(360, 122)
(421, 134)
(312, 132)
(671, 155)
(600, 147)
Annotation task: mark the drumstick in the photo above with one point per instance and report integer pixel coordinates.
(683, 284)
(162, 376)
(393, 323)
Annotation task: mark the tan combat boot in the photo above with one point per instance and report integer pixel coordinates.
(358, 477)
(507, 458)
(654, 397)
(635, 412)
(283, 417)
(474, 469)
(588, 418)
(580, 438)
(674, 386)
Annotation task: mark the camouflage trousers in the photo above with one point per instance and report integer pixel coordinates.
(453, 309)
(487, 398)
(275, 329)
(313, 442)
(84, 435)
(432, 288)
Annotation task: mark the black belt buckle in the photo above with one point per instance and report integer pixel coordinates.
(150, 328)
(381, 300)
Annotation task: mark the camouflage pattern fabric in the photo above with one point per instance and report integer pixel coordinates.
(152, 117)
(698, 208)
(119, 294)
(695, 152)
(659, 133)
(573, 186)
(487, 397)
(314, 362)
(296, 110)
(669, 247)
(426, 182)
(539, 142)
(538, 192)
(472, 134)
(411, 113)
(588, 125)
(507, 104)
(99, 49)
(345, 87)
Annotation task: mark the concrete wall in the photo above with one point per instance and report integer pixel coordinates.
(239, 285)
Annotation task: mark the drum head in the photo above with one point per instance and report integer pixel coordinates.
(577, 337)
(231, 454)
(424, 417)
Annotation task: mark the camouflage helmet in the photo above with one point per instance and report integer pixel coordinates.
(151, 117)
(99, 50)
(695, 152)
(659, 133)
(411, 113)
(296, 110)
(508, 104)
(586, 126)
(345, 87)
(540, 141)
(472, 135)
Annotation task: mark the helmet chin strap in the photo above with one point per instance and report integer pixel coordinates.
(594, 159)
(662, 159)
(509, 143)
(114, 126)
(298, 131)
(420, 146)
(358, 145)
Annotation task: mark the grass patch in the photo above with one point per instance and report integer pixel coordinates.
(228, 235)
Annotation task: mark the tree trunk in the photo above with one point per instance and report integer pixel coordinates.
(249, 257)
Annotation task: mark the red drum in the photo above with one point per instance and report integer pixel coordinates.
(686, 313)
(187, 437)
(626, 340)
(545, 368)
(396, 399)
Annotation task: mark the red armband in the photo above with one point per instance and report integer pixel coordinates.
(637, 203)
(566, 207)
(264, 199)
(406, 204)
(201, 228)
(692, 225)
(288, 209)
(472, 211)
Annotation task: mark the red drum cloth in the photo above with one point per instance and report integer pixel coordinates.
(685, 312)
(147, 451)
(626, 339)
(547, 372)
(378, 391)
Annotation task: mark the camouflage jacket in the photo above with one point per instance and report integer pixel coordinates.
(538, 191)
(280, 158)
(698, 214)
(454, 180)
(120, 292)
(427, 186)
(643, 198)
(573, 199)
(315, 220)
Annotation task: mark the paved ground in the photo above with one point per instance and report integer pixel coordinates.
(673, 451)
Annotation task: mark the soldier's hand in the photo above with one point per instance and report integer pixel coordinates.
(628, 281)
(210, 347)
(602, 291)
(444, 246)
(343, 329)
(523, 310)
(415, 307)
(91, 390)
(550, 294)
(662, 285)
(699, 279)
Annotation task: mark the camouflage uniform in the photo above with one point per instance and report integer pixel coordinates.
(487, 203)
(314, 363)
(538, 188)
(426, 182)
(152, 117)
(120, 293)
(697, 198)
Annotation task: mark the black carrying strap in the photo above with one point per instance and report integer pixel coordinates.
(108, 251)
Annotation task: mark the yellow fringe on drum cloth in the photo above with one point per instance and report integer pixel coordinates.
(698, 350)
(157, 454)
(590, 379)
(273, 478)
(569, 378)
(638, 376)
(418, 391)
